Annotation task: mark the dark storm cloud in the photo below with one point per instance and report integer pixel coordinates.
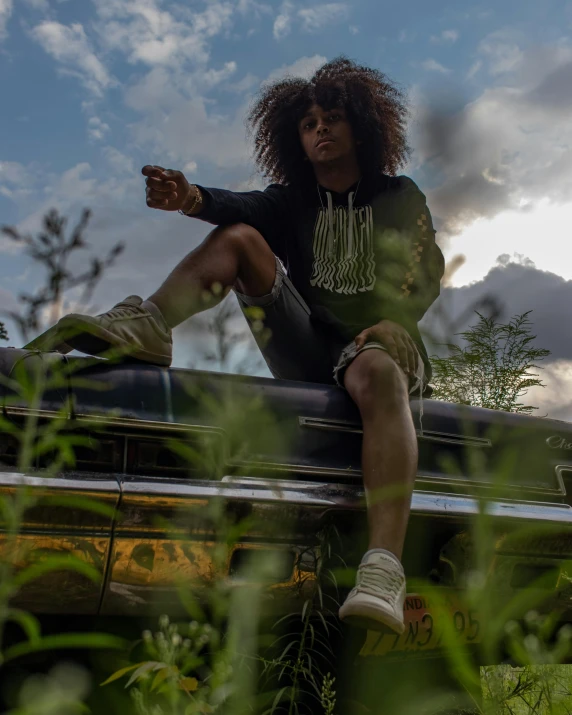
(511, 289)
(555, 90)
(473, 177)
(458, 203)
(483, 156)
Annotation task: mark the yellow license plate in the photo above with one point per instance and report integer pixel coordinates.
(424, 628)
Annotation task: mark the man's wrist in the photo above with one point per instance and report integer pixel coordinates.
(194, 201)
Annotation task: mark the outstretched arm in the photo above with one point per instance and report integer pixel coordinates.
(267, 211)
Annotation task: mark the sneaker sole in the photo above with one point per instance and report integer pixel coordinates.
(92, 339)
(369, 619)
(49, 341)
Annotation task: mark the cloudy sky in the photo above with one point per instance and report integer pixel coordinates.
(94, 90)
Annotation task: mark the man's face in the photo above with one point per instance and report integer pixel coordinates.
(326, 136)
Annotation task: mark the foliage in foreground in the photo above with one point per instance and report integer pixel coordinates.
(527, 690)
(221, 659)
(52, 251)
(493, 369)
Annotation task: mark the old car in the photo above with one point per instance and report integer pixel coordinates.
(160, 446)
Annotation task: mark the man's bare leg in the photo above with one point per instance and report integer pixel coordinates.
(389, 452)
(235, 255)
(389, 463)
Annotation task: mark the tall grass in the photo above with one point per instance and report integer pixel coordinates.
(244, 646)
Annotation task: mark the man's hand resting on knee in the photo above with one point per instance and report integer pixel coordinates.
(396, 340)
(168, 189)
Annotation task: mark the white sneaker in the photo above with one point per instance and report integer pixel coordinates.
(376, 602)
(128, 326)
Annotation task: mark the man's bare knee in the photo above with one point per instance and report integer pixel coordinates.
(374, 379)
(256, 261)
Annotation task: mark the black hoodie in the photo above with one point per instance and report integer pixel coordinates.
(356, 258)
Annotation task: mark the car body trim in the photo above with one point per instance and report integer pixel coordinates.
(428, 435)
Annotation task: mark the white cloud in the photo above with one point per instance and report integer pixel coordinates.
(211, 77)
(78, 188)
(175, 124)
(180, 124)
(512, 232)
(253, 8)
(502, 52)
(354, 30)
(120, 163)
(474, 69)
(310, 19)
(17, 181)
(13, 172)
(70, 47)
(96, 128)
(7, 302)
(43, 5)
(303, 67)
(189, 128)
(445, 36)
(319, 16)
(147, 34)
(553, 400)
(6, 7)
(245, 84)
(432, 65)
(406, 36)
(283, 22)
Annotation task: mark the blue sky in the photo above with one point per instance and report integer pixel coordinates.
(94, 90)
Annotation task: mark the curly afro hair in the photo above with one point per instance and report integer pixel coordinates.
(375, 107)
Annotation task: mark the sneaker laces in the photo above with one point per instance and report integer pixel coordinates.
(126, 310)
(379, 580)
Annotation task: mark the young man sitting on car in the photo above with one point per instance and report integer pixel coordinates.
(340, 253)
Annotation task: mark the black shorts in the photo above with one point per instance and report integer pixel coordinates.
(296, 349)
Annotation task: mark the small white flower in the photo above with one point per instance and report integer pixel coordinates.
(512, 628)
(531, 617)
(531, 642)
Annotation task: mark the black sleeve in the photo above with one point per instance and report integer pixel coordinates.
(267, 211)
(419, 280)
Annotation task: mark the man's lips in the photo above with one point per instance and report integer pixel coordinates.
(324, 141)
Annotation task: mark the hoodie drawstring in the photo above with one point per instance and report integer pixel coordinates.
(350, 223)
(331, 235)
(330, 212)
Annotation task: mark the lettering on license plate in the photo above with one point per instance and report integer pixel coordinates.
(424, 628)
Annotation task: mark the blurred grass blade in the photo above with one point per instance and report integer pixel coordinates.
(67, 640)
(56, 563)
(121, 672)
(79, 502)
(29, 623)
